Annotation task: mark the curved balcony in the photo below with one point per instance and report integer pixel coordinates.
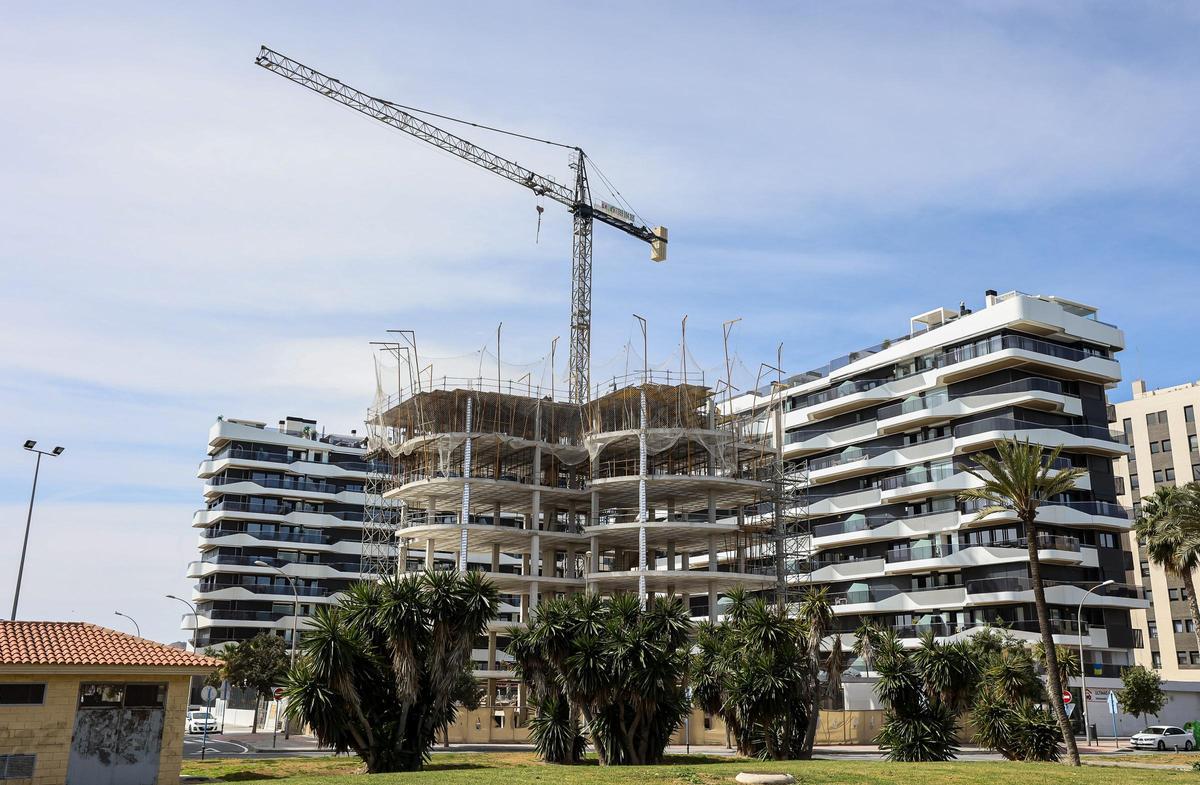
(1031, 393)
(283, 513)
(317, 491)
(1076, 437)
(803, 442)
(963, 362)
(1007, 591)
(235, 591)
(262, 458)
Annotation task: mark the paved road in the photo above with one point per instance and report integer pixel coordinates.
(261, 745)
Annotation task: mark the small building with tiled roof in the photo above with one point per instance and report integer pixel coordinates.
(83, 704)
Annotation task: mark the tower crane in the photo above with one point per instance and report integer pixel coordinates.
(578, 200)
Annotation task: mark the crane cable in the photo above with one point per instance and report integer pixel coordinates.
(475, 125)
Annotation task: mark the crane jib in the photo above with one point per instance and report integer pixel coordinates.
(578, 200)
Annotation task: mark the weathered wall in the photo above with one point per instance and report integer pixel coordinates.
(835, 727)
(46, 730)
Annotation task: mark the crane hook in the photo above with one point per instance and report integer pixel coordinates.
(538, 235)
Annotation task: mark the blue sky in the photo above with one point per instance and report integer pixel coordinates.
(186, 235)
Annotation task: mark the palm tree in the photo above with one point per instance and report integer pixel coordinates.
(1019, 481)
(1169, 527)
(815, 614)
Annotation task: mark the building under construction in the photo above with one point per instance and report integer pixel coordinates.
(645, 488)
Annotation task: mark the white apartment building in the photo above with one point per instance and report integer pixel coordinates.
(877, 443)
(289, 496)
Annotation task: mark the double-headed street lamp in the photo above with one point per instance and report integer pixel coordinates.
(1087, 728)
(30, 445)
(136, 626)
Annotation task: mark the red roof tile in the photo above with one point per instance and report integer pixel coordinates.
(80, 643)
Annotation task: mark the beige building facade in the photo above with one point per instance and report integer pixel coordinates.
(1160, 428)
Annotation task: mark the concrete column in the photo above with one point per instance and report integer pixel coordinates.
(491, 658)
(712, 507)
(495, 558)
(429, 554)
(741, 557)
(683, 561)
(430, 510)
(496, 515)
(535, 556)
(535, 509)
(594, 512)
(712, 553)
(670, 555)
(712, 602)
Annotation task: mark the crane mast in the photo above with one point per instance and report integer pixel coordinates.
(577, 200)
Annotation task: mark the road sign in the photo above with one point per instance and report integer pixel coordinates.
(208, 694)
(1112, 702)
(278, 693)
(1088, 696)
(1067, 697)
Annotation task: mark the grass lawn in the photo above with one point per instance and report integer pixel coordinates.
(1157, 758)
(520, 768)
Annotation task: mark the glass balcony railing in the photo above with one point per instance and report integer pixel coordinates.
(306, 538)
(287, 483)
(1020, 584)
(943, 359)
(250, 561)
(281, 509)
(1036, 384)
(262, 588)
(1011, 424)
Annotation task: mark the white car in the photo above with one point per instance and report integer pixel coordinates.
(200, 721)
(1162, 737)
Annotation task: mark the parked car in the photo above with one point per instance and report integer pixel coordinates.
(200, 721)
(1162, 737)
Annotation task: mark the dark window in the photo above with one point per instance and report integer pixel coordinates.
(1127, 426)
(1189, 414)
(1166, 445)
(1158, 475)
(145, 695)
(22, 694)
(17, 767)
(101, 694)
(1154, 448)
(1170, 473)
(1193, 443)
(1155, 659)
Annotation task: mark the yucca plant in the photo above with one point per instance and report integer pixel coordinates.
(386, 669)
(557, 735)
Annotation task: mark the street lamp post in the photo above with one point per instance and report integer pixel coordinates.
(287, 725)
(30, 445)
(195, 617)
(1087, 728)
(136, 626)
